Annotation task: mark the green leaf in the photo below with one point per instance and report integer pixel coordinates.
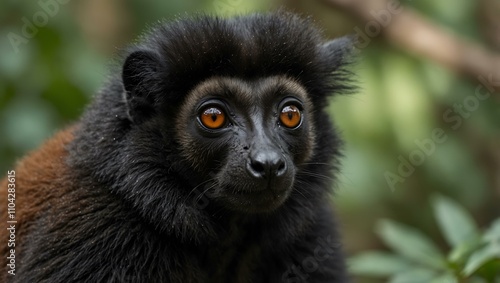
(455, 223)
(410, 243)
(460, 253)
(445, 278)
(481, 257)
(377, 264)
(493, 233)
(414, 276)
(490, 272)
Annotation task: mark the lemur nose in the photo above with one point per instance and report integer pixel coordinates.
(266, 164)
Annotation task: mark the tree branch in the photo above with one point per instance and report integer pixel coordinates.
(412, 32)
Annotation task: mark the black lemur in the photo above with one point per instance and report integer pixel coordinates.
(207, 157)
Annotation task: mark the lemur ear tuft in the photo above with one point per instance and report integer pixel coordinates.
(341, 47)
(338, 55)
(140, 75)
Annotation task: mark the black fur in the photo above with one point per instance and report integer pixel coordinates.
(132, 216)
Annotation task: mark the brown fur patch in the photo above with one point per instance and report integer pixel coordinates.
(40, 181)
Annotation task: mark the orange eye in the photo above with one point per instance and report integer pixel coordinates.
(213, 118)
(290, 116)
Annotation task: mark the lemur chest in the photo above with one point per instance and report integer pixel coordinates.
(235, 258)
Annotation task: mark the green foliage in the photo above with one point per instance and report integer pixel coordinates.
(474, 256)
(456, 224)
(410, 243)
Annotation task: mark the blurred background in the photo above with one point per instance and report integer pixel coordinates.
(420, 123)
